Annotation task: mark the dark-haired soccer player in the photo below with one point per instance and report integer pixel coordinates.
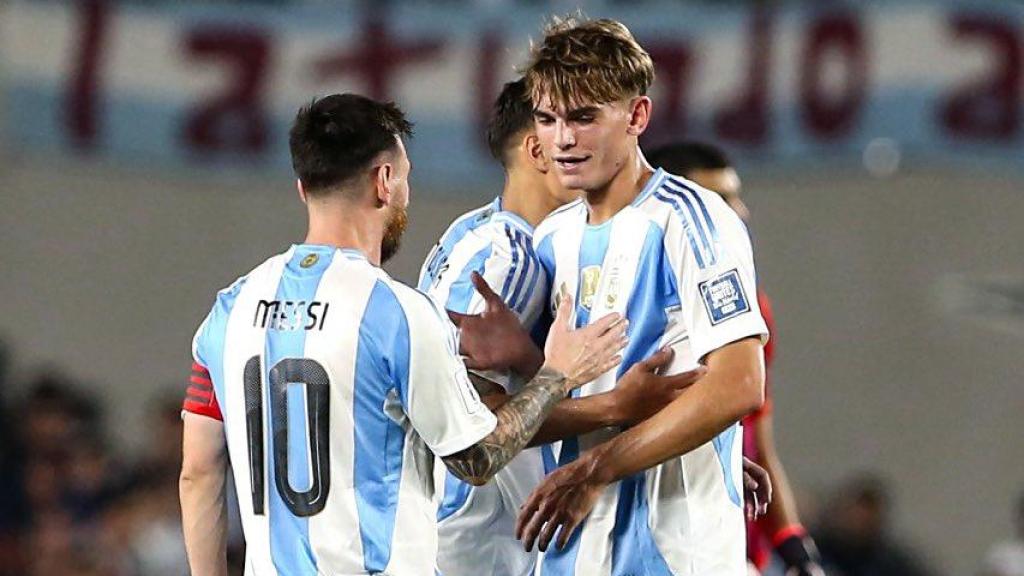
(710, 167)
(476, 524)
(662, 497)
(331, 387)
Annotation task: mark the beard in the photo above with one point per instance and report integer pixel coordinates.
(397, 222)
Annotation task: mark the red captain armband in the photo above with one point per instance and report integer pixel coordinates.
(199, 396)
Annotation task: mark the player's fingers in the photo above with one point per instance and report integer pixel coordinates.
(659, 359)
(568, 528)
(532, 529)
(526, 513)
(610, 363)
(749, 482)
(484, 289)
(564, 313)
(457, 318)
(548, 532)
(607, 323)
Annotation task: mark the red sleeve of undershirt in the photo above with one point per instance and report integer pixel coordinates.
(199, 396)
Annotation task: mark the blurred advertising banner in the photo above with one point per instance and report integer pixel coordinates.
(190, 85)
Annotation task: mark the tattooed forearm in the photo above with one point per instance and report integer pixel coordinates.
(518, 421)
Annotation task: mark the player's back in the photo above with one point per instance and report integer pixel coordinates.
(476, 524)
(318, 360)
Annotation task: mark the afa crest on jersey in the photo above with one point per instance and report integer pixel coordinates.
(590, 279)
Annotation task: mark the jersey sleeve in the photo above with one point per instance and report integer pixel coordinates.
(504, 262)
(199, 396)
(434, 388)
(717, 280)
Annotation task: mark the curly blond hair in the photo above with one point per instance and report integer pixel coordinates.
(587, 62)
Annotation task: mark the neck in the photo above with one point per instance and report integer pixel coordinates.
(606, 202)
(336, 222)
(526, 195)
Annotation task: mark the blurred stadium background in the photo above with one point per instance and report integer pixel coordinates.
(143, 166)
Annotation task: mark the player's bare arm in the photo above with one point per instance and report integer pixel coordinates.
(732, 388)
(573, 358)
(640, 393)
(202, 490)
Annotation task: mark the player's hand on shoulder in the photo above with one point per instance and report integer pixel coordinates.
(495, 339)
(642, 392)
(585, 353)
(757, 489)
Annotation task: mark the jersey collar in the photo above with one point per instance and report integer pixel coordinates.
(515, 220)
(652, 184)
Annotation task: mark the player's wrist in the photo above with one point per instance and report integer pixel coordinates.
(795, 547)
(598, 466)
(610, 408)
(532, 360)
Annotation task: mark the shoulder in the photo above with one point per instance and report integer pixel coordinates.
(468, 222)
(571, 212)
(393, 297)
(268, 271)
(224, 301)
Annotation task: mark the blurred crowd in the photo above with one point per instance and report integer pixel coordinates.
(72, 505)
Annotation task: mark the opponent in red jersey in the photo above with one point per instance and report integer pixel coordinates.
(710, 168)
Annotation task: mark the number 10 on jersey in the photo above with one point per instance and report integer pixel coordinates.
(288, 371)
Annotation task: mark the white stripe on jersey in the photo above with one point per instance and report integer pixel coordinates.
(260, 285)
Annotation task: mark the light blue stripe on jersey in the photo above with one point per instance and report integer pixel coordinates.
(634, 550)
(546, 257)
(461, 292)
(593, 247)
(456, 493)
(289, 534)
(382, 364)
(210, 345)
(723, 444)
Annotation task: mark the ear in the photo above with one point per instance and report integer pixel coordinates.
(639, 115)
(302, 191)
(535, 152)
(382, 183)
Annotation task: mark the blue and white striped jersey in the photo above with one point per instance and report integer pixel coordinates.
(338, 386)
(678, 264)
(477, 523)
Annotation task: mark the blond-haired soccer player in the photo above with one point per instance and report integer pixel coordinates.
(663, 497)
